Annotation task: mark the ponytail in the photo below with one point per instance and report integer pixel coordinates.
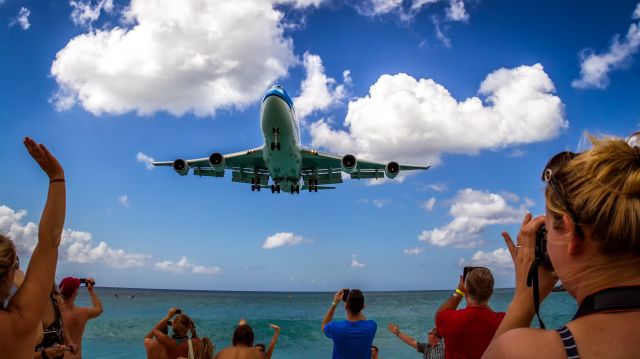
(208, 349)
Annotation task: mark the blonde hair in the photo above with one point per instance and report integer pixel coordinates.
(7, 254)
(8, 258)
(479, 284)
(602, 185)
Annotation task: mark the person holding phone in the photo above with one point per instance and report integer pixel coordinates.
(353, 337)
(74, 317)
(469, 331)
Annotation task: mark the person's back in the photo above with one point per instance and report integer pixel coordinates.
(469, 331)
(75, 318)
(242, 344)
(352, 338)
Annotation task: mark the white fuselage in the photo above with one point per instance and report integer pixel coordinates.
(281, 152)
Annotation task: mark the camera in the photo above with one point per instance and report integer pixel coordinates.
(345, 294)
(178, 311)
(542, 256)
(86, 282)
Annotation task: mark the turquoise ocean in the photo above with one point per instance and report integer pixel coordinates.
(119, 332)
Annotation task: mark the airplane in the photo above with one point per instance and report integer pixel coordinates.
(284, 160)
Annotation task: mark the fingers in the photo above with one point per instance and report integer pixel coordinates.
(509, 242)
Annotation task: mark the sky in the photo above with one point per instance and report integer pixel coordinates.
(483, 91)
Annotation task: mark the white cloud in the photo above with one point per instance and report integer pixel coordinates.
(595, 68)
(417, 4)
(177, 56)
(75, 246)
(413, 251)
(300, 4)
(383, 7)
(22, 19)
(415, 121)
(124, 200)
(85, 14)
(446, 41)
(381, 202)
(319, 92)
(456, 11)
(472, 212)
(428, 204)
(282, 239)
(355, 263)
(183, 266)
(499, 260)
(148, 161)
(438, 187)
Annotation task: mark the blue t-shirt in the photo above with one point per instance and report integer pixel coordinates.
(351, 340)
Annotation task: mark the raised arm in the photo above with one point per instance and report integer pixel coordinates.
(404, 337)
(329, 315)
(452, 302)
(97, 309)
(27, 305)
(274, 340)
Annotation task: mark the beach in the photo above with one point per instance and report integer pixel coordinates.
(119, 331)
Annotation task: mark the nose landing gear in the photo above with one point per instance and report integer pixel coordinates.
(275, 145)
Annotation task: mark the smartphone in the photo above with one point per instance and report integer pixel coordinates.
(466, 271)
(345, 294)
(178, 311)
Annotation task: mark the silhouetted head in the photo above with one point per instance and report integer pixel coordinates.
(355, 301)
(243, 335)
(261, 347)
(9, 263)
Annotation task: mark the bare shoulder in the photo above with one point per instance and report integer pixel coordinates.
(526, 343)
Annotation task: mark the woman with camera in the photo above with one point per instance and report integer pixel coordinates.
(592, 226)
(180, 345)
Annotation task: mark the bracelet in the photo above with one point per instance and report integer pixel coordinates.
(56, 180)
(460, 292)
(334, 304)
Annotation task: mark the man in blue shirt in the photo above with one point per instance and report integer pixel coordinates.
(352, 338)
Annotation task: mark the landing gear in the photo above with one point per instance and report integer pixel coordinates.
(275, 145)
(313, 185)
(255, 185)
(275, 188)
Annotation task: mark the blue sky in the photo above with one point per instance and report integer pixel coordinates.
(484, 91)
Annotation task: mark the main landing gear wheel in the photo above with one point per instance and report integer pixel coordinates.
(253, 187)
(273, 189)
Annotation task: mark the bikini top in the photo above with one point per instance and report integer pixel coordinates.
(53, 334)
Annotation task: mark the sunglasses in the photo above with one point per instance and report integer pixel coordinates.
(555, 164)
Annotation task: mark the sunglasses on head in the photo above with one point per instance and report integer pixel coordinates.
(548, 176)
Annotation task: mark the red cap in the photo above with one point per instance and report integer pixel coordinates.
(69, 285)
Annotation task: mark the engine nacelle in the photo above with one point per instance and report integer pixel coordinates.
(349, 163)
(181, 167)
(392, 169)
(216, 160)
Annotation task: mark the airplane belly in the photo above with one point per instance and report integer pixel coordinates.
(281, 152)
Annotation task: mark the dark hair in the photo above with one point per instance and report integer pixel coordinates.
(376, 348)
(436, 332)
(243, 335)
(355, 301)
(260, 345)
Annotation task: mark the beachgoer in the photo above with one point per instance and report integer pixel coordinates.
(53, 338)
(353, 337)
(241, 344)
(74, 317)
(272, 345)
(469, 331)
(180, 344)
(592, 226)
(432, 349)
(20, 319)
(153, 348)
(375, 352)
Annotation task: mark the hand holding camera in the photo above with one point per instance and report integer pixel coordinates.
(89, 282)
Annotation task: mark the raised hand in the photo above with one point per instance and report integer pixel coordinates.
(45, 159)
(275, 327)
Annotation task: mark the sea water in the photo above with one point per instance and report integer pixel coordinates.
(129, 314)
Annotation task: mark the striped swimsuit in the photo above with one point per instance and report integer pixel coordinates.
(568, 342)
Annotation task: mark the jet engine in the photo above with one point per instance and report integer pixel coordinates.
(181, 166)
(216, 160)
(392, 169)
(349, 163)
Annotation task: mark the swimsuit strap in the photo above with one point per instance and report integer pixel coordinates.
(568, 342)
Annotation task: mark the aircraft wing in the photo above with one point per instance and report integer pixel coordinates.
(244, 165)
(328, 167)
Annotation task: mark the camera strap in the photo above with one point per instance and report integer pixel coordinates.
(532, 280)
(617, 299)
